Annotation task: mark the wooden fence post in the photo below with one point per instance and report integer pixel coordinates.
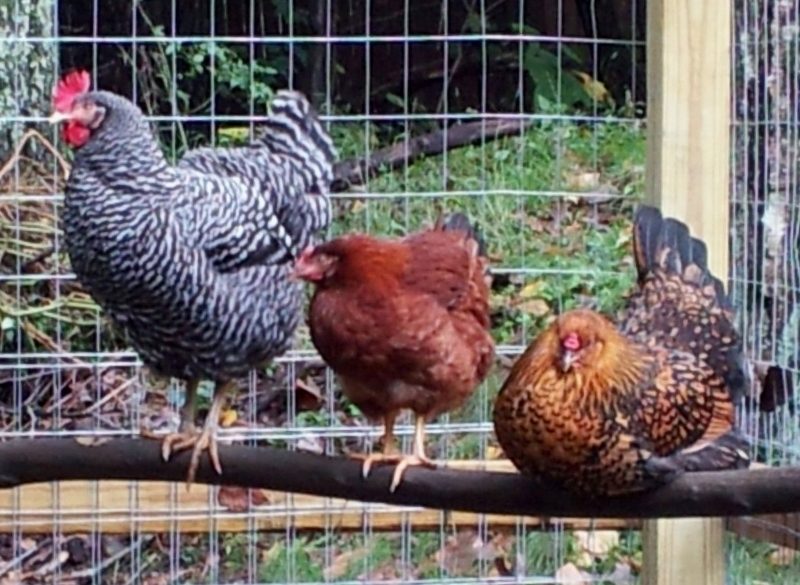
(688, 153)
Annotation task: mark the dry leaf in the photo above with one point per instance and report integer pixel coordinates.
(535, 307)
(357, 206)
(494, 452)
(338, 568)
(597, 543)
(308, 395)
(531, 290)
(569, 574)
(239, 499)
(462, 550)
(583, 181)
(228, 417)
(92, 441)
(596, 89)
(783, 556)
(310, 443)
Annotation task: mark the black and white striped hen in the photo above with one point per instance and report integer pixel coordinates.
(193, 261)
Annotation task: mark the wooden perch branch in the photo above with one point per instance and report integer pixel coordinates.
(355, 171)
(734, 493)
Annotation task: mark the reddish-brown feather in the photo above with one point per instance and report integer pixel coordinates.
(405, 322)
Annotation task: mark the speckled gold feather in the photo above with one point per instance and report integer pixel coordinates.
(651, 397)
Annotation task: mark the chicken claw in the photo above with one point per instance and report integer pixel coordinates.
(370, 459)
(205, 441)
(176, 442)
(391, 455)
(406, 462)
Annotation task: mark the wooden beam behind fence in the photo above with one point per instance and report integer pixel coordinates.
(154, 507)
(688, 108)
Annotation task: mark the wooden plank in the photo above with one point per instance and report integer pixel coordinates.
(688, 73)
(122, 506)
(688, 122)
(682, 551)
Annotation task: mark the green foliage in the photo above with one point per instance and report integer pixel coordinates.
(236, 76)
(555, 87)
(297, 562)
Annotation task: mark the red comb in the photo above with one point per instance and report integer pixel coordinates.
(72, 84)
(571, 341)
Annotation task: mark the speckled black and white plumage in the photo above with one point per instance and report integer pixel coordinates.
(193, 261)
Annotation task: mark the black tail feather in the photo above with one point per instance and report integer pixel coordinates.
(777, 389)
(460, 222)
(667, 244)
(730, 451)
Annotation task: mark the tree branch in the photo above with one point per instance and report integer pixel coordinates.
(355, 171)
(730, 493)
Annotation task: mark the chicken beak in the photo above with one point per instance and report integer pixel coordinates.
(568, 358)
(58, 117)
(304, 269)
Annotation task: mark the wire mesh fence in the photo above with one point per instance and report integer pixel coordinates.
(764, 277)
(553, 201)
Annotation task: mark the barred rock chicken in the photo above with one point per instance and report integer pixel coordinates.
(193, 261)
(404, 323)
(605, 410)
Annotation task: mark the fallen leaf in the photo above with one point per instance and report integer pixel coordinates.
(462, 550)
(92, 441)
(236, 133)
(583, 181)
(531, 290)
(569, 574)
(783, 556)
(597, 542)
(310, 443)
(239, 499)
(596, 89)
(535, 307)
(228, 417)
(308, 395)
(342, 562)
(494, 452)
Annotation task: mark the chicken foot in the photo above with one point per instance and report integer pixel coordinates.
(189, 437)
(187, 430)
(417, 459)
(389, 452)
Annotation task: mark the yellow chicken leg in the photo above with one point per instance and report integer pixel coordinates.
(418, 458)
(188, 435)
(391, 455)
(388, 454)
(207, 439)
(175, 442)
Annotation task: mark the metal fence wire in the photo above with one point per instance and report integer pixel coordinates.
(554, 202)
(764, 242)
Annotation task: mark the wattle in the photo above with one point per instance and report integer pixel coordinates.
(75, 134)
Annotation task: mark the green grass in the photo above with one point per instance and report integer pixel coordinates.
(573, 253)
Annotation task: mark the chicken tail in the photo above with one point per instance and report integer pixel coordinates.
(294, 130)
(728, 451)
(777, 390)
(460, 222)
(665, 244)
(679, 301)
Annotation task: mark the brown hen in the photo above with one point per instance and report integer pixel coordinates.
(602, 409)
(404, 323)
